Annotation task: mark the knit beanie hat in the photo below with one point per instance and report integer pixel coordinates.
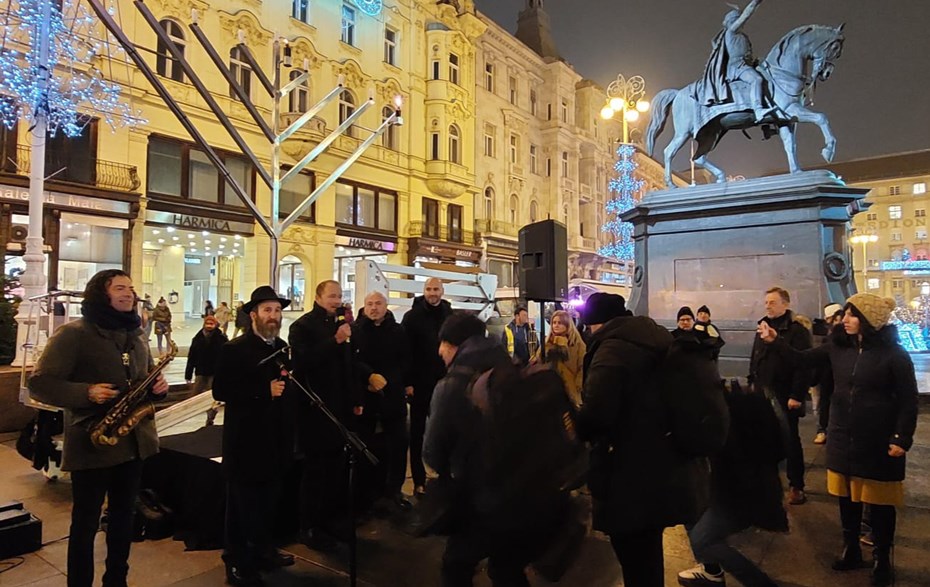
(704, 309)
(685, 311)
(875, 309)
(601, 308)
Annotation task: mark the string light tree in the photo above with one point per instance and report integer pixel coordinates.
(627, 189)
(50, 79)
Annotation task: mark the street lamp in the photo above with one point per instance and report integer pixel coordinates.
(865, 239)
(626, 96)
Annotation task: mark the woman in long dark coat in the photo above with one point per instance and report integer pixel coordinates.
(873, 415)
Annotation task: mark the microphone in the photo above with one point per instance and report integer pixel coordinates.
(341, 319)
(283, 350)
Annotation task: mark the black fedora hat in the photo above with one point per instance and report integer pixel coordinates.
(264, 293)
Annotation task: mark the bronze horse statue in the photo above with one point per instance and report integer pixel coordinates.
(791, 71)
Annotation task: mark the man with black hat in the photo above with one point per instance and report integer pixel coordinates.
(257, 439)
(640, 483)
(685, 321)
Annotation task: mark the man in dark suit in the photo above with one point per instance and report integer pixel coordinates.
(257, 440)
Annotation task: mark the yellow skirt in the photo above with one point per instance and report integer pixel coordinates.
(866, 490)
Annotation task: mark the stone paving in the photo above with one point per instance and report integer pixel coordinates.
(389, 558)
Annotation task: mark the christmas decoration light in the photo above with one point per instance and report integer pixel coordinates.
(369, 7)
(67, 86)
(627, 188)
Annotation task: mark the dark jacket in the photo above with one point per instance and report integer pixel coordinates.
(771, 372)
(258, 430)
(79, 355)
(453, 444)
(647, 482)
(204, 354)
(874, 402)
(421, 324)
(328, 369)
(243, 319)
(382, 349)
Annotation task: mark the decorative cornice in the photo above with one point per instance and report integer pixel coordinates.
(248, 23)
(446, 187)
(354, 77)
(179, 10)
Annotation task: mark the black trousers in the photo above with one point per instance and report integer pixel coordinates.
(419, 412)
(823, 408)
(250, 517)
(120, 485)
(641, 557)
(323, 492)
(394, 453)
(794, 466)
(508, 553)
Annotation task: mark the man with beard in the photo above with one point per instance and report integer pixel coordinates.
(203, 355)
(85, 366)
(257, 440)
(383, 360)
(324, 362)
(421, 324)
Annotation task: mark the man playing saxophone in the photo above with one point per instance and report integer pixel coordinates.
(85, 367)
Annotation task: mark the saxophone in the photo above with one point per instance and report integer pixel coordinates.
(131, 408)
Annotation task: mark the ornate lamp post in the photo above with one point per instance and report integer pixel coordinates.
(865, 239)
(626, 96)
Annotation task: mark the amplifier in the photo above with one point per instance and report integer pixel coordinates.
(20, 531)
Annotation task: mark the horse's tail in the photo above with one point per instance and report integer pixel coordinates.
(660, 107)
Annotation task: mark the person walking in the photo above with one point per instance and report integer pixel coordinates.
(208, 309)
(203, 355)
(258, 442)
(147, 308)
(872, 423)
(223, 316)
(161, 316)
(565, 353)
(421, 324)
(86, 365)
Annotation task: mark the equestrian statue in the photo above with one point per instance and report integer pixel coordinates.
(738, 92)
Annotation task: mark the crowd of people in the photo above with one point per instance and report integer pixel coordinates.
(367, 372)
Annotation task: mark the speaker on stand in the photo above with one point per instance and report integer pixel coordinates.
(543, 249)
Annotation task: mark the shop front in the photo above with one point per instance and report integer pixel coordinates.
(350, 249)
(83, 234)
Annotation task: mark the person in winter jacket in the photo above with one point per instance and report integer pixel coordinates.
(516, 336)
(223, 316)
(243, 321)
(421, 324)
(823, 376)
(565, 352)
(383, 359)
(161, 316)
(746, 491)
(258, 442)
(639, 481)
(203, 355)
(685, 321)
(85, 366)
(784, 382)
(872, 421)
(324, 361)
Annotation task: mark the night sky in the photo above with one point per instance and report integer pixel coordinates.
(877, 99)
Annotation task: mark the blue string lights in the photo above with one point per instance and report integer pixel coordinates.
(370, 7)
(73, 88)
(626, 186)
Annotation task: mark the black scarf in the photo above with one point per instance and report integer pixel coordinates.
(109, 318)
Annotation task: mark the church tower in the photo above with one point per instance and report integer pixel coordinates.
(534, 30)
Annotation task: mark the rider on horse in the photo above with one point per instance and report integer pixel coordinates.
(731, 59)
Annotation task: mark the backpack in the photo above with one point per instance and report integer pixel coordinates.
(532, 455)
(692, 395)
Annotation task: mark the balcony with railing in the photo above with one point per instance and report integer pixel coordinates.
(441, 233)
(486, 226)
(102, 174)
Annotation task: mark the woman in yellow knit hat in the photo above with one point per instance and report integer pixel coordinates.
(873, 415)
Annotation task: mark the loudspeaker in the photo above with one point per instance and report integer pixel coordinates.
(544, 261)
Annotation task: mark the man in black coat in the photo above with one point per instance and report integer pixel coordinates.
(640, 483)
(204, 354)
(383, 361)
(422, 323)
(323, 361)
(780, 379)
(257, 440)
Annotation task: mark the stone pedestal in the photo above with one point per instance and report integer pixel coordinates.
(723, 245)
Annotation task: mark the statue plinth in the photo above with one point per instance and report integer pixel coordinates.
(723, 245)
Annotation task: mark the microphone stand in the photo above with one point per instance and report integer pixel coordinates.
(353, 447)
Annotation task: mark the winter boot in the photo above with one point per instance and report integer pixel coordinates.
(882, 569)
(851, 520)
(884, 520)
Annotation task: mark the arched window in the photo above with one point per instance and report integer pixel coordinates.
(389, 140)
(165, 64)
(241, 72)
(534, 211)
(455, 151)
(299, 99)
(489, 203)
(346, 109)
(514, 210)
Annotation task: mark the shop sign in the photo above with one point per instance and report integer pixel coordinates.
(440, 251)
(899, 265)
(198, 222)
(60, 200)
(366, 243)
